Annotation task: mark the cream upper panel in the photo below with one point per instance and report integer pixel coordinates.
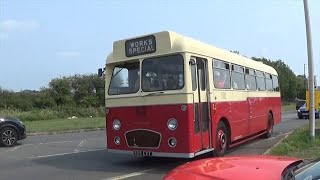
(167, 42)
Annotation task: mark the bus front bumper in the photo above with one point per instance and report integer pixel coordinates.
(160, 154)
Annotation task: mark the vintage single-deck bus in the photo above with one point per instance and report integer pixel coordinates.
(169, 95)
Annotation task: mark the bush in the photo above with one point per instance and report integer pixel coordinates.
(53, 113)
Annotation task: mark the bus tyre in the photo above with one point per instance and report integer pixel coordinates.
(269, 127)
(222, 140)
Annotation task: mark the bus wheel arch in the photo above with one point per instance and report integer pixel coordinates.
(223, 136)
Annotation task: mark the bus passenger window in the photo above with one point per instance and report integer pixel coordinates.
(275, 83)
(237, 76)
(261, 84)
(221, 75)
(218, 80)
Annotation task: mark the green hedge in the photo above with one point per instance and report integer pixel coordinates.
(54, 113)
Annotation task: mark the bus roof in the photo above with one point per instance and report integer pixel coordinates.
(168, 42)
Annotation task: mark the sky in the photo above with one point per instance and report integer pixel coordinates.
(42, 40)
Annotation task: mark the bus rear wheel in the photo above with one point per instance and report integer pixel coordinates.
(222, 140)
(269, 130)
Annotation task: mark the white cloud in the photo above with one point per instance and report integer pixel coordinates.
(8, 27)
(17, 26)
(68, 54)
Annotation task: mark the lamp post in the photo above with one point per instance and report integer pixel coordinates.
(304, 77)
(311, 72)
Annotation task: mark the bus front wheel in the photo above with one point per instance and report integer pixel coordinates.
(222, 140)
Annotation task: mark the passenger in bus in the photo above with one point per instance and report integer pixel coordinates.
(156, 84)
(146, 83)
(172, 83)
(248, 86)
(150, 86)
(136, 84)
(235, 85)
(218, 80)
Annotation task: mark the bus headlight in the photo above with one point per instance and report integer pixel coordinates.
(172, 142)
(172, 124)
(117, 140)
(116, 124)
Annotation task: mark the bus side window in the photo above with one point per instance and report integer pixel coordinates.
(275, 83)
(250, 79)
(221, 76)
(261, 84)
(237, 77)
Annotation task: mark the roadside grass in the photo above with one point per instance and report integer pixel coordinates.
(288, 106)
(57, 125)
(298, 144)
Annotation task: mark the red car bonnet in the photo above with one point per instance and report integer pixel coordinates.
(237, 167)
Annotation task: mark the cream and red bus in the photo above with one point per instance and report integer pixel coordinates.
(169, 95)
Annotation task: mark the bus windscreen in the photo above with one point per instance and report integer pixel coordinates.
(125, 79)
(163, 73)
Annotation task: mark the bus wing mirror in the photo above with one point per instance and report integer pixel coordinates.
(192, 62)
(100, 71)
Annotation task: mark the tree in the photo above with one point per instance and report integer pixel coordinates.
(88, 90)
(44, 99)
(60, 90)
(301, 89)
(236, 52)
(287, 78)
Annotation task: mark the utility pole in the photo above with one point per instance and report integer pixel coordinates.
(311, 72)
(304, 77)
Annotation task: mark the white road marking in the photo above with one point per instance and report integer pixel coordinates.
(67, 153)
(276, 144)
(279, 135)
(23, 145)
(80, 145)
(13, 149)
(56, 142)
(138, 173)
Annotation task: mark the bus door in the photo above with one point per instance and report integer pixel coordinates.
(199, 72)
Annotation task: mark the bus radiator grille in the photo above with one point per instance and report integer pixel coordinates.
(143, 139)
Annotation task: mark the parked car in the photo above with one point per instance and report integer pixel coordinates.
(248, 167)
(303, 112)
(11, 131)
(300, 103)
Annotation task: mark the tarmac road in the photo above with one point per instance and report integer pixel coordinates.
(83, 156)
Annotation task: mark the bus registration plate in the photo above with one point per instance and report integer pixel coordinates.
(142, 153)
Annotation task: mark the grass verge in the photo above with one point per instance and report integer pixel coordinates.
(57, 125)
(288, 106)
(298, 144)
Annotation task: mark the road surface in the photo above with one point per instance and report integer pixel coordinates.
(83, 156)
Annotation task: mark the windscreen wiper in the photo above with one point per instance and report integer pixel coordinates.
(117, 72)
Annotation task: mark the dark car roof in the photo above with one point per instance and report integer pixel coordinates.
(9, 118)
(301, 101)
